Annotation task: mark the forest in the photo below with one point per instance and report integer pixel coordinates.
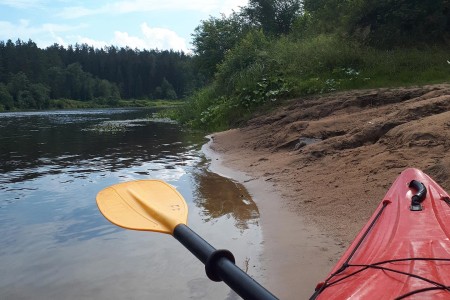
(264, 52)
(31, 78)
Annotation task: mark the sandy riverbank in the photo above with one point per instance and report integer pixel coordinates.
(317, 168)
(296, 255)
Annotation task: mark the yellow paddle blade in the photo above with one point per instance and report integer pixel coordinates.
(150, 205)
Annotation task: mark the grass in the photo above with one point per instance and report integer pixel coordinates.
(149, 103)
(75, 104)
(287, 68)
(71, 104)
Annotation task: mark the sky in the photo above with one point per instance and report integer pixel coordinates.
(150, 24)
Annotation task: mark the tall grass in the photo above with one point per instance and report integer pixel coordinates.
(203, 110)
(407, 67)
(260, 72)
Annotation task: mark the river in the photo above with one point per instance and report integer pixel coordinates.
(55, 244)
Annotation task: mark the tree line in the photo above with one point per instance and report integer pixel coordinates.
(30, 77)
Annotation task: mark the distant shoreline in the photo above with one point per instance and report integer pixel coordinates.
(75, 104)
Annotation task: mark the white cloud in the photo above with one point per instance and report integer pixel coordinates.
(23, 28)
(91, 42)
(74, 12)
(123, 39)
(163, 38)
(154, 5)
(21, 3)
(130, 6)
(43, 35)
(152, 38)
(47, 34)
(228, 6)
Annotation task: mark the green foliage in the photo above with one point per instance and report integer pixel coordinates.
(326, 46)
(83, 73)
(149, 103)
(208, 111)
(6, 100)
(40, 94)
(100, 103)
(383, 23)
(390, 23)
(248, 60)
(215, 116)
(405, 67)
(71, 82)
(103, 89)
(214, 37)
(191, 112)
(274, 17)
(315, 55)
(165, 91)
(267, 90)
(71, 104)
(260, 72)
(244, 82)
(24, 94)
(17, 83)
(303, 27)
(327, 16)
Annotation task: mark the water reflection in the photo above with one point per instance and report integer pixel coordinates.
(56, 141)
(218, 197)
(82, 224)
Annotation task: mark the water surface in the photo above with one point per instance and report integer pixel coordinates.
(54, 243)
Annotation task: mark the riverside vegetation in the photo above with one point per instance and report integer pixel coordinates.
(249, 61)
(275, 50)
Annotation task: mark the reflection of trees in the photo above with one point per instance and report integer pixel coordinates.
(218, 196)
(45, 143)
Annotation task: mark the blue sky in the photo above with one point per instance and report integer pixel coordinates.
(151, 24)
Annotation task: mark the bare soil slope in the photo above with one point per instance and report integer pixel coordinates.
(333, 157)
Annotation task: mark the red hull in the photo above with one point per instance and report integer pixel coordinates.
(417, 239)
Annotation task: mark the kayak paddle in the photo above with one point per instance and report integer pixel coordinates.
(153, 205)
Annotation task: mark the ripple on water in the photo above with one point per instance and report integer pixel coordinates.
(54, 241)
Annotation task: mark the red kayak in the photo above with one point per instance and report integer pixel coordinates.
(404, 250)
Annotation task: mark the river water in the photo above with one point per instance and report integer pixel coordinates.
(55, 244)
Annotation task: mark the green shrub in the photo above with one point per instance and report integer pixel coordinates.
(266, 90)
(259, 72)
(248, 60)
(191, 112)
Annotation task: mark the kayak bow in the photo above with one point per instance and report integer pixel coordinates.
(404, 249)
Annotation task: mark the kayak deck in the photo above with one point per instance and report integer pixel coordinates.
(400, 253)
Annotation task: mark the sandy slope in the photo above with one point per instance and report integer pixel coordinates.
(332, 158)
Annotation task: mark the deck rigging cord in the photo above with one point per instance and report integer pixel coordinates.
(437, 285)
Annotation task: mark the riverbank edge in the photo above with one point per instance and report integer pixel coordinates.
(68, 104)
(295, 254)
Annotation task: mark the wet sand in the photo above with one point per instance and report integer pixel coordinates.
(296, 255)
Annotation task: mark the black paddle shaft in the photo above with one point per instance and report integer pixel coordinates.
(219, 265)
